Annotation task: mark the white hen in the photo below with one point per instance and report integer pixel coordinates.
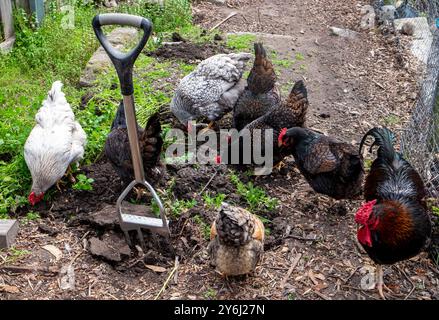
(54, 143)
(212, 89)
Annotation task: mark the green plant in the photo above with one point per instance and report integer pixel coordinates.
(210, 294)
(31, 216)
(205, 228)
(241, 42)
(299, 56)
(15, 254)
(83, 183)
(213, 202)
(435, 211)
(179, 206)
(255, 197)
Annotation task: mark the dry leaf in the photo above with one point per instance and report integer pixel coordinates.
(54, 251)
(9, 289)
(155, 268)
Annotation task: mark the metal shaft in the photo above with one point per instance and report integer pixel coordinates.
(130, 115)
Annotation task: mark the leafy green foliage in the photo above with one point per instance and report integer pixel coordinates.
(179, 206)
(52, 52)
(83, 183)
(241, 42)
(205, 228)
(31, 216)
(255, 197)
(213, 202)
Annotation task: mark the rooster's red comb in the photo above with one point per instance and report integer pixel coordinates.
(363, 214)
(281, 135)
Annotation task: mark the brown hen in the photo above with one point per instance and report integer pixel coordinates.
(236, 241)
(260, 95)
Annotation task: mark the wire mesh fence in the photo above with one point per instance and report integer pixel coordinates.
(420, 138)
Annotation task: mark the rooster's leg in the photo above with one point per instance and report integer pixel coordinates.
(279, 165)
(69, 174)
(380, 281)
(209, 127)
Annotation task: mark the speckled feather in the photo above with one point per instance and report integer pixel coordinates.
(237, 241)
(212, 89)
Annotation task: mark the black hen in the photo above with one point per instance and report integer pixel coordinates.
(330, 166)
(260, 95)
(117, 147)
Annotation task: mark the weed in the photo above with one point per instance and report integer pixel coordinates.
(213, 202)
(285, 63)
(15, 254)
(241, 42)
(210, 294)
(32, 216)
(391, 120)
(205, 228)
(299, 56)
(180, 206)
(83, 183)
(255, 197)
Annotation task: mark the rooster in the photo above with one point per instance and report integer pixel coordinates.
(289, 113)
(236, 241)
(330, 166)
(56, 141)
(118, 152)
(260, 95)
(394, 222)
(211, 90)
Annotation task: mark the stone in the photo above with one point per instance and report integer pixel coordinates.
(344, 33)
(8, 232)
(120, 38)
(218, 2)
(386, 14)
(106, 218)
(111, 248)
(422, 37)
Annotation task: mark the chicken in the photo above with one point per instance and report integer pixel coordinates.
(236, 241)
(260, 95)
(117, 148)
(211, 90)
(289, 113)
(330, 166)
(394, 222)
(56, 141)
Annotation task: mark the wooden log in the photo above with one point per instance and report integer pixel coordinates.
(8, 232)
(7, 18)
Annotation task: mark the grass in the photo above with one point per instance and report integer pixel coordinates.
(51, 52)
(256, 198)
(241, 42)
(180, 206)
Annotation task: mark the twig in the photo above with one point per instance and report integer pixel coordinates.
(224, 20)
(29, 269)
(409, 280)
(208, 183)
(379, 84)
(351, 275)
(300, 238)
(290, 270)
(169, 278)
(321, 295)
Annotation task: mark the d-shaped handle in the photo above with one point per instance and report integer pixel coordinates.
(123, 62)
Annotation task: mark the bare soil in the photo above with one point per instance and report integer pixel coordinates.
(353, 85)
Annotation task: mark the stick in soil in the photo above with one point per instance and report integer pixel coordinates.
(224, 20)
(169, 278)
(290, 270)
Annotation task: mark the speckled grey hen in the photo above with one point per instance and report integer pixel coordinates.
(212, 89)
(237, 241)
